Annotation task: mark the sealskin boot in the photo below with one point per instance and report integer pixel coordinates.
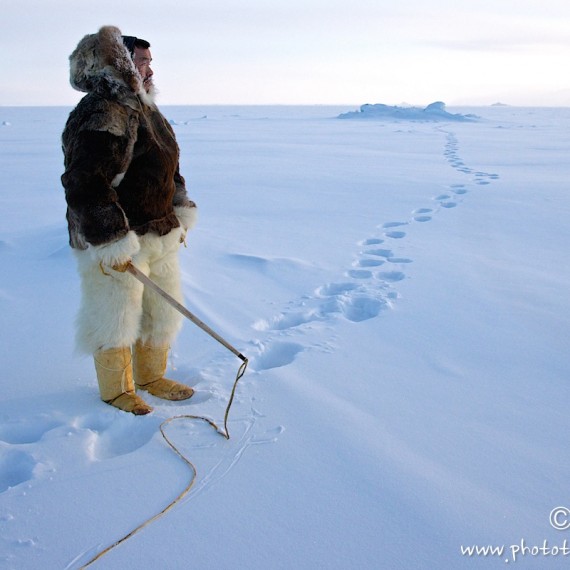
(149, 364)
(115, 377)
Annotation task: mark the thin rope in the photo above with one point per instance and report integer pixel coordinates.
(224, 432)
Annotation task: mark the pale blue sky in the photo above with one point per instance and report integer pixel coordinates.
(304, 51)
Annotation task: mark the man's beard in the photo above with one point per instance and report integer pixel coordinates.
(148, 92)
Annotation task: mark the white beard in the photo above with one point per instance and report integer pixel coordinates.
(148, 97)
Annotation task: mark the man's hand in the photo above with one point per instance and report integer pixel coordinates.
(116, 255)
(121, 267)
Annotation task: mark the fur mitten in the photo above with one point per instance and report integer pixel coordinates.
(116, 254)
(186, 216)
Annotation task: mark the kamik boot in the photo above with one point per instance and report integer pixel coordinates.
(149, 365)
(115, 377)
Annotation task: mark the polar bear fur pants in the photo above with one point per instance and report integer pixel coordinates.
(116, 309)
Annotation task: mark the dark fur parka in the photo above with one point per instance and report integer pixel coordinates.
(120, 153)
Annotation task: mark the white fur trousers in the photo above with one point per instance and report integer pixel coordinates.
(116, 309)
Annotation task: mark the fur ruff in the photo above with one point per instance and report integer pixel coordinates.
(103, 57)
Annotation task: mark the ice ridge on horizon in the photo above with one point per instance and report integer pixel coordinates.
(433, 112)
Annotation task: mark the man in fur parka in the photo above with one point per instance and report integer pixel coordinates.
(126, 202)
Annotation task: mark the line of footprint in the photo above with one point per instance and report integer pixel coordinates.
(371, 282)
(367, 289)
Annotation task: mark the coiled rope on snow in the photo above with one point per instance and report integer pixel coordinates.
(224, 432)
(138, 274)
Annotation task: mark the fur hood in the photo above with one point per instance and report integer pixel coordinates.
(102, 62)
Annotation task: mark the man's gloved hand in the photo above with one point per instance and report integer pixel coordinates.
(118, 254)
(187, 217)
(122, 266)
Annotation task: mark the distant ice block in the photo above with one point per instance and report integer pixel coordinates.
(433, 112)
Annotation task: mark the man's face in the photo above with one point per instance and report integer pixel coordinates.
(142, 60)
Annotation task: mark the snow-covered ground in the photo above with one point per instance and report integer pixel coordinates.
(402, 291)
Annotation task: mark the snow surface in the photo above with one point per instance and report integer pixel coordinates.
(401, 289)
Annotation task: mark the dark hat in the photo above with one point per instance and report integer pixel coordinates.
(129, 42)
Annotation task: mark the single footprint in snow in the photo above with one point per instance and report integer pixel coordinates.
(395, 235)
(117, 433)
(359, 274)
(358, 309)
(458, 189)
(448, 204)
(16, 467)
(369, 262)
(422, 218)
(276, 355)
(388, 225)
(27, 430)
(379, 252)
(390, 276)
(371, 241)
